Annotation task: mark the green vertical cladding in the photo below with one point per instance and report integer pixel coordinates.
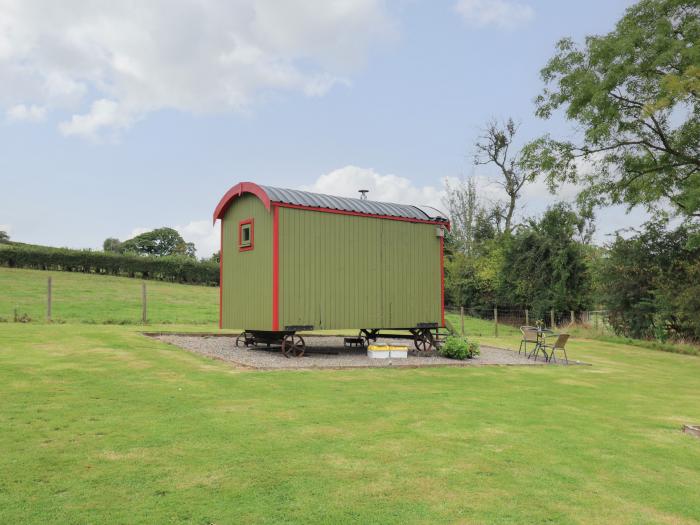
(247, 275)
(343, 271)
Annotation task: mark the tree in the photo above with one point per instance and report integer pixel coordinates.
(650, 283)
(159, 242)
(462, 208)
(494, 147)
(4, 237)
(635, 95)
(544, 267)
(472, 222)
(111, 245)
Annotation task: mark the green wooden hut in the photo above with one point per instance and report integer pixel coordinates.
(293, 260)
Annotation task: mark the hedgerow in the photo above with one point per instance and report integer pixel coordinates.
(180, 269)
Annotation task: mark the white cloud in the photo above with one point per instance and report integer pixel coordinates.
(123, 60)
(7, 228)
(505, 14)
(22, 113)
(346, 182)
(103, 114)
(205, 236)
(535, 198)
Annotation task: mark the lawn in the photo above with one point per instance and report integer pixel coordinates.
(479, 327)
(103, 425)
(90, 298)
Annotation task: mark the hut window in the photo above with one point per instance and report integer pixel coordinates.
(245, 235)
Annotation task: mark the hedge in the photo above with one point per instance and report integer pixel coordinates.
(179, 269)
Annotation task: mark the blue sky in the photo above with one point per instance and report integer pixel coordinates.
(117, 119)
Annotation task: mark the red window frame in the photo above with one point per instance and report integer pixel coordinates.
(251, 222)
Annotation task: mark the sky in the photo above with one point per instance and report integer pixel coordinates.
(120, 117)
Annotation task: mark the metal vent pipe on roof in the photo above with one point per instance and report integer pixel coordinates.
(363, 194)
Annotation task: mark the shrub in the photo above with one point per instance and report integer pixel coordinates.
(459, 348)
(23, 318)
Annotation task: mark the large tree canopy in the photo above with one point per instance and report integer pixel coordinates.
(159, 242)
(634, 94)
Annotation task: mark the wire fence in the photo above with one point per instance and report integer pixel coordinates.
(70, 298)
(461, 319)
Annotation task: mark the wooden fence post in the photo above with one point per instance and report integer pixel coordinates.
(48, 301)
(461, 316)
(551, 319)
(495, 321)
(527, 317)
(144, 309)
(573, 317)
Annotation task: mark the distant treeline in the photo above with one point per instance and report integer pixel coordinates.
(175, 268)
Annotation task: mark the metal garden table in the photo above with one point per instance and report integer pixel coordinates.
(542, 334)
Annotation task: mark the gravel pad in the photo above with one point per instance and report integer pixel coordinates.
(328, 352)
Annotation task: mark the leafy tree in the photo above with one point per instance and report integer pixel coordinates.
(496, 147)
(472, 222)
(4, 237)
(650, 283)
(462, 208)
(488, 224)
(634, 93)
(472, 280)
(111, 245)
(190, 250)
(159, 242)
(544, 267)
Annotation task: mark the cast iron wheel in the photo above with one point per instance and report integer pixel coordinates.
(423, 342)
(242, 340)
(293, 345)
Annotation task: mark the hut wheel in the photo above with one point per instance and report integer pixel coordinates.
(293, 345)
(422, 341)
(242, 340)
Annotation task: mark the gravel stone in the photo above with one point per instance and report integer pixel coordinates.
(328, 352)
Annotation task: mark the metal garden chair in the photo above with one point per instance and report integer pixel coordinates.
(559, 344)
(529, 336)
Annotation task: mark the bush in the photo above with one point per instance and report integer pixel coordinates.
(459, 348)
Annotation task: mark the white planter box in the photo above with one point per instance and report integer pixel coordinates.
(387, 351)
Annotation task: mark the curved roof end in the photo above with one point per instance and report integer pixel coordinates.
(235, 192)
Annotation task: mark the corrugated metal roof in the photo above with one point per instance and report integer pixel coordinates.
(331, 202)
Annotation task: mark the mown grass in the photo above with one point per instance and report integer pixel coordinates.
(103, 425)
(474, 327)
(101, 299)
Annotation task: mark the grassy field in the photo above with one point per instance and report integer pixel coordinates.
(99, 299)
(101, 425)
(103, 299)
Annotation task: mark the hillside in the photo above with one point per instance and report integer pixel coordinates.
(93, 298)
